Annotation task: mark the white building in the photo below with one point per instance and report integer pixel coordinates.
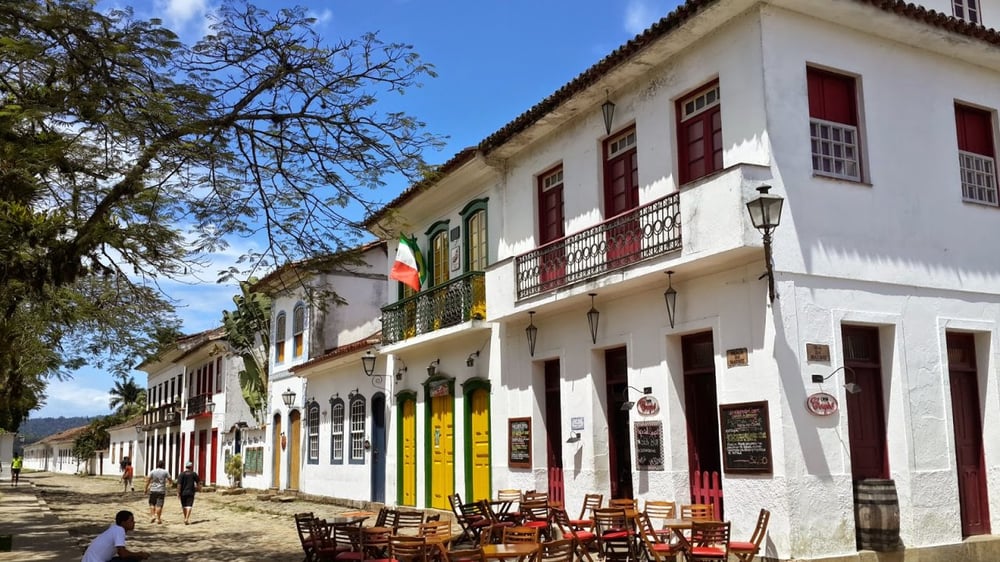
(55, 454)
(195, 408)
(323, 409)
(875, 122)
(125, 440)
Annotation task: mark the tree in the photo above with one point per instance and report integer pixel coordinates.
(126, 155)
(127, 398)
(247, 331)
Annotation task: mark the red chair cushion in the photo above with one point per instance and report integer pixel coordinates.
(664, 547)
(708, 551)
(581, 522)
(616, 535)
(582, 535)
(536, 524)
(743, 546)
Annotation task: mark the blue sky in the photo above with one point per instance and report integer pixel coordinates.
(494, 58)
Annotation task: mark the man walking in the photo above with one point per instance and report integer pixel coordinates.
(15, 469)
(156, 487)
(110, 545)
(187, 485)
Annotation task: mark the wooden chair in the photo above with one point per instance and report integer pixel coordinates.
(514, 535)
(709, 542)
(590, 503)
(615, 537)
(470, 518)
(658, 512)
(404, 548)
(535, 514)
(535, 495)
(556, 551)
(437, 534)
(467, 555)
(502, 512)
(697, 512)
(584, 540)
(510, 495)
(746, 551)
(348, 541)
(407, 519)
(658, 546)
(322, 543)
(493, 534)
(303, 521)
(375, 541)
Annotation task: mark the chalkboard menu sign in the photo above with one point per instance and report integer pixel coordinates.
(746, 437)
(649, 445)
(519, 442)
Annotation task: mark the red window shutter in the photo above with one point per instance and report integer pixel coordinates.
(699, 141)
(832, 97)
(975, 130)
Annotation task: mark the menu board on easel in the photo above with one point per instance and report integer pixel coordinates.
(746, 437)
(519, 442)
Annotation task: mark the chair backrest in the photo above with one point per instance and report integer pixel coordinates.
(455, 500)
(535, 510)
(646, 529)
(590, 503)
(408, 549)
(609, 518)
(318, 536)
(761, 529)
(491, 534)
(627, 503)
(556, 551)
(660, 510)
(514, 535)
(435, 529)
(349, 535)
(407, 519)
(697, 512)
(509, 495)
(535, 495)
(383, 514)
(302, 522)
(561, 520)
(711, 533)
(467, 555)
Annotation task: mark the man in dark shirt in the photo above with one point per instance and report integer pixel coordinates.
(187, 485)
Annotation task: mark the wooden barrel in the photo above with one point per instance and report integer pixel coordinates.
(876, 514)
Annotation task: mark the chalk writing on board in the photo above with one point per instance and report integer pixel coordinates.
(648, 445)
(519, 442)
(746, 437)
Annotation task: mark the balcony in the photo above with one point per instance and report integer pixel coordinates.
(161, 416)
(200, 405)
(459, 300)
(643, 233)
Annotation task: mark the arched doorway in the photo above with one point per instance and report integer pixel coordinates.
(378, 448)
(277, 444)
(294, 447)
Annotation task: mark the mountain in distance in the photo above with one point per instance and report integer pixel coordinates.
(34, 429)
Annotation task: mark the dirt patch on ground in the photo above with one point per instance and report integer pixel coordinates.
(223, 527)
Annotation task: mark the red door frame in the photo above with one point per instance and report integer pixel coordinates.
(619, 443)
(551, 227)
(970, 461)
(215, 455)
(865, 409)
(701, 405)
(553, 430)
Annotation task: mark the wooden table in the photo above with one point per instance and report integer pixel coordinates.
(506, 551)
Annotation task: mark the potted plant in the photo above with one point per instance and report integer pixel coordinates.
(234, 470)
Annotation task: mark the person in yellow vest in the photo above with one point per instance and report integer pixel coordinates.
(15, 469)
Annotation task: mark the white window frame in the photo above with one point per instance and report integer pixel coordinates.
(337, 432)
(967, 10)
(358, 430)
(313, 441)
(979, 178)
(833, 153)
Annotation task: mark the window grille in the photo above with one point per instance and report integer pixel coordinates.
(835, 149)
(337, 433)
(979, 179)
(358, 429)
(313, 434)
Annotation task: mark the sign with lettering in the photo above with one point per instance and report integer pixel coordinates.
(736, 357)
(817, 352)
(648, 405)
(746, 437)
(519, 442)
(822, 404)
(649, 445)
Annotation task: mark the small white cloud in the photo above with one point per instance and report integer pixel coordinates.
(86, 394)
(323, 16)
(640, 14)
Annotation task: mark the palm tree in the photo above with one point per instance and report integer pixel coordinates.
(126, 395)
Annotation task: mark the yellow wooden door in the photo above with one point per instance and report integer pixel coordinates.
(294, 452)
(479, 428)
(276, 457)
(442, 452)
(409, 466)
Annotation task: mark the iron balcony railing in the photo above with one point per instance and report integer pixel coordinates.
(636, 235)
(459, 300)
(201, 404)
(160, 415)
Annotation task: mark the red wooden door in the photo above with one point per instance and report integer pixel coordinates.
(215, 457)
(865, 409)
(619, 443)
(701, 403)
(621, 194)
(552, 261)
(969, 458)
(553, 431)
(202, 452)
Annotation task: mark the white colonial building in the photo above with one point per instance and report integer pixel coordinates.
(328, 419)
(630, 345)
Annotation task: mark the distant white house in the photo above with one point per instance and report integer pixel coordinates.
(55, 454)
(125, 441)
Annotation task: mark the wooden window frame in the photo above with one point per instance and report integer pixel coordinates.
(477, 208)
(977, 155)
(688, 111)
(298, 329)
(967, 10)
(280, 333)
(835, 133)
(440, 228)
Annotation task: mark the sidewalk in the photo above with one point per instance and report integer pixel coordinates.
(37, 533)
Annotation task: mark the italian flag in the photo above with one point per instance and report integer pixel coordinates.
(409, 266)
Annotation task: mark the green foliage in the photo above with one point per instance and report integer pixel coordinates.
(126, 156)
(127, 398)
(234, 470)
(95, 437)
(248, 331)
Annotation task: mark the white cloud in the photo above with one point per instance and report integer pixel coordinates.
(86, 394)
(323, 16)
(640, 14)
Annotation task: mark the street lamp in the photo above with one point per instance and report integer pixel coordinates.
(532, 332)
(765, 214)
(593, 317)
(288, 397)
(670, 297)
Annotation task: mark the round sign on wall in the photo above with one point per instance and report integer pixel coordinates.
(822, 404)
(648, 406)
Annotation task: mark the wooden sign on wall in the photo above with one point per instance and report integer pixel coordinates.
(746, 437)
(519, 442)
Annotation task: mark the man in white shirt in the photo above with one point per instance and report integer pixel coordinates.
(156, 487)
(109, 546)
